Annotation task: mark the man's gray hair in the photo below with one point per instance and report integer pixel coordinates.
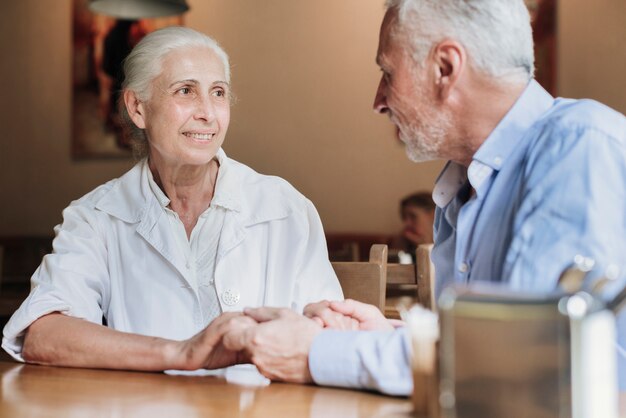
(144, 64)
(496, 33)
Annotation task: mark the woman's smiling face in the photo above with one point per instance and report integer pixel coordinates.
(187, 115)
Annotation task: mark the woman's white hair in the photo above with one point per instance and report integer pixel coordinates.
(144, 64)
(496, 33)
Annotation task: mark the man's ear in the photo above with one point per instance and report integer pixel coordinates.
(449, 60)
(136, 109)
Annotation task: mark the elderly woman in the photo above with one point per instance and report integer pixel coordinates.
(143, 264)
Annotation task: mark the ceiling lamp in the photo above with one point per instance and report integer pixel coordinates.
(138, 9)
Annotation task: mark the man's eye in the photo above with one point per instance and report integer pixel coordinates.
(184, 91)
(219, 93)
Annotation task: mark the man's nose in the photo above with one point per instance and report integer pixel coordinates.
(380, 101)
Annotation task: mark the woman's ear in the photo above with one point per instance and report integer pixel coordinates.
(449, 60)
(135, 108)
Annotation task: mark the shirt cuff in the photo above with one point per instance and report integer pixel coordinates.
(36, 305)
(333, 359)
(378, 360)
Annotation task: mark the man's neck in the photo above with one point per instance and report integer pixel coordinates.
(485, 104)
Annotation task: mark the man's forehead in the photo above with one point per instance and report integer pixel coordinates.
(386, 39)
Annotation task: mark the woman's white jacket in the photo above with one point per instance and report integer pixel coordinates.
(114, 258)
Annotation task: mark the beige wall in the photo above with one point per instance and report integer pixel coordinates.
(305, 77)
(37, 177)
(592, 51)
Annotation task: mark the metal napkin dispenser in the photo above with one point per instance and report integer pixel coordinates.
(509, 355)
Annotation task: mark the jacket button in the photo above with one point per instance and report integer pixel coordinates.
(230, 297)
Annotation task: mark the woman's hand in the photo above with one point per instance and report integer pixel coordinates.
(205, 350)
(62, 340)
(279, 345)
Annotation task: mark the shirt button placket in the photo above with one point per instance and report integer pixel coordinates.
(464, 269)
(230, 297)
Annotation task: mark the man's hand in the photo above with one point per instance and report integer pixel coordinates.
(322, 313)
(279, 345)
(206, 349)
(349, 315)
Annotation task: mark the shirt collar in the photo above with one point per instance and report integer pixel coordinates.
(226, 192)
(161, 197)
(496, 149)
(227, 187)
(499, 145)
(452, 178)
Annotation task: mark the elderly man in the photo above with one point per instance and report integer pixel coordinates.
(531, 182)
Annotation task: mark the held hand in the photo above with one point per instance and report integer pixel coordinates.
(321, 313)
(206, 349)
(279, 345)
(369, 317)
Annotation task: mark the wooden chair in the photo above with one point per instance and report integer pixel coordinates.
(420, 275)
(371, 281)
(365, 281)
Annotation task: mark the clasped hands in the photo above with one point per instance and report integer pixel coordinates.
(276, 340)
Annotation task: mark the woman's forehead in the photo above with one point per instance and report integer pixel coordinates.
(199, 63)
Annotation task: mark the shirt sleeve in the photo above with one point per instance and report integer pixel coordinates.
(575, 205)
(72, 280)
(316, 279)
(374, 360)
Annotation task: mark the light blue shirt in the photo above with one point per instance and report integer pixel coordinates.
(376, 360)
(550, 184)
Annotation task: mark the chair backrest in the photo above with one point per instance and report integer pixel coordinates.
(425, 277)
(365, 281)
(421, 275)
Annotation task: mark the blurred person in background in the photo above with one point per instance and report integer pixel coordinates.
(417, 212)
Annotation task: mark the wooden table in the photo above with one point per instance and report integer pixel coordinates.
(38, 391)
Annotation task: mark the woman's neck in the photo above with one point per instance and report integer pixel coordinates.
(189, 188)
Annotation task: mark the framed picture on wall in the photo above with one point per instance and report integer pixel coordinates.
(99, 44)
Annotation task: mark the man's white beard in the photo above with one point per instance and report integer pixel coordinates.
(425, 142)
